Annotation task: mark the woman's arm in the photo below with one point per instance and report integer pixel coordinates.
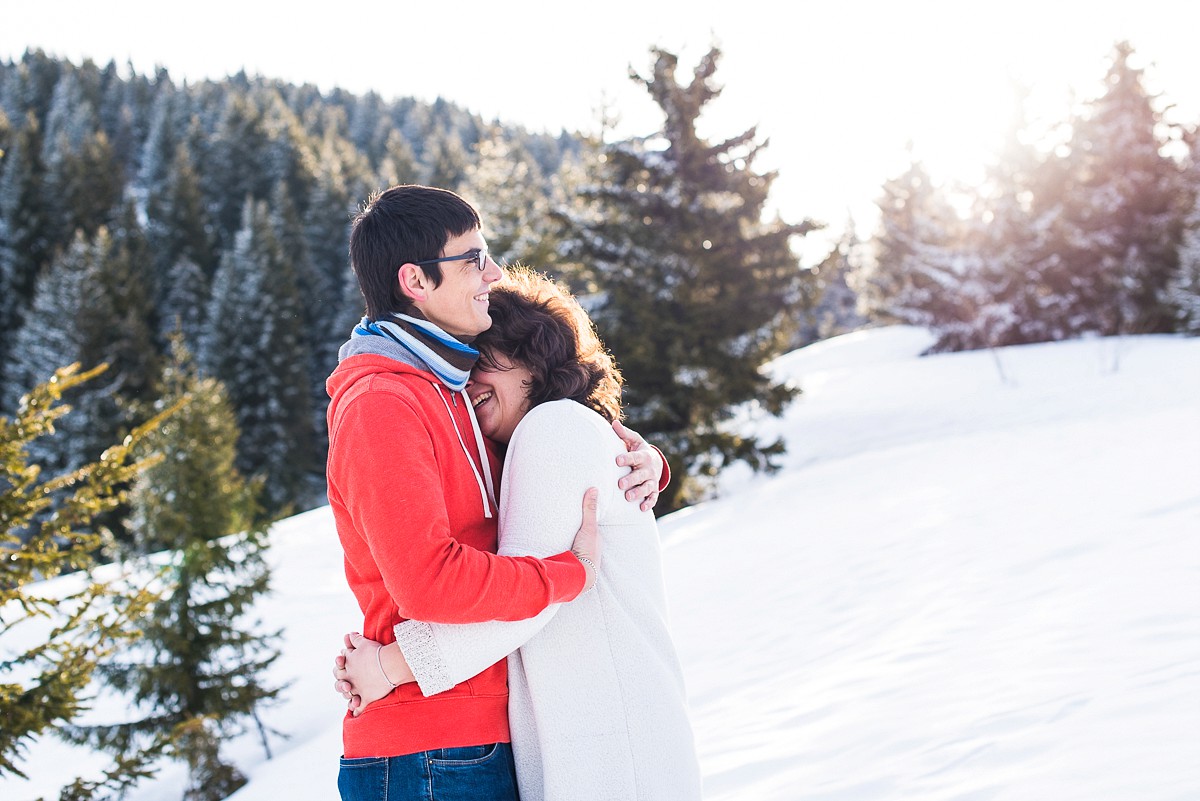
(366, 670)
(556, 453)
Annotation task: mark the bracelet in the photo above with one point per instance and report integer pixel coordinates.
(595, 570)
(379, 661)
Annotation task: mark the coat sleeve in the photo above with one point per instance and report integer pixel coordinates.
(386, 469)
(555, 455)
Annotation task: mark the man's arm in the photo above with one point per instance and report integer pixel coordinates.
(649, 474)
(555, 455)
(386, 472)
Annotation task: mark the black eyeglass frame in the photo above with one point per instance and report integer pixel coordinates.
(480, 256)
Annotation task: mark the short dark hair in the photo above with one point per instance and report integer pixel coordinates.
(538, 324)
(403, 224)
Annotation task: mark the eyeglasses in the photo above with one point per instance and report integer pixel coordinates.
(480, 258)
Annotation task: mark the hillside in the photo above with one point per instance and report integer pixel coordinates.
(956, 587)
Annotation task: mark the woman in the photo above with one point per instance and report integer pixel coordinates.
(597, 707)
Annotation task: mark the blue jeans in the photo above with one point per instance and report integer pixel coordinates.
(473, 773)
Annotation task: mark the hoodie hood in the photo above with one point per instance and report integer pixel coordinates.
(362, 357)
(384, 356)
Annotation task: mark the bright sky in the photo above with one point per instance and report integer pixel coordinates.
(840, 88)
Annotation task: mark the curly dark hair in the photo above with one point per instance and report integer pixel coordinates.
(538, 324)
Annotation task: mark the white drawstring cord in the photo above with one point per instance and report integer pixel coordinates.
(485, 493)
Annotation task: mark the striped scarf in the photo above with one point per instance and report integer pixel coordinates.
(446, 357)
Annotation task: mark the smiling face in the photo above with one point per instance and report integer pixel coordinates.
(500, 396)
(459, 304)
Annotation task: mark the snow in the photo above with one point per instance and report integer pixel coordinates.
(958, 586)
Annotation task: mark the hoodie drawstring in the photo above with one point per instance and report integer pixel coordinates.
(486, 490)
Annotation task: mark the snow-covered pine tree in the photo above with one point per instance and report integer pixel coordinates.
(25, 237)
(199, 672)
(446, 159)
(919, 267)
(254, 344)
(1123, 210)
(163, 140)
(83, 181)
(1184, 291)
(128, 339)
(63, 325)
(506, 185)
(399, 164)
(835, 310)
(1008, 232)
(184, 303)
(318, 297)
(696, 288)
(233, 167)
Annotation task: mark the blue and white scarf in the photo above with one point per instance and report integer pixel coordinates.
(446, 357)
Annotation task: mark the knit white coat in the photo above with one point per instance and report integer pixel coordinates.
(597, 707)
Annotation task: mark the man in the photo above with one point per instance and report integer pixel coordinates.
(411, 488)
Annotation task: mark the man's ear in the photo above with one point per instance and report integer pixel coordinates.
(413, 282)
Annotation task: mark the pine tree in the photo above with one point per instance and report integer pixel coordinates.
(254, 344)
(64, 324)
(446, 159)
(233, 171)
(178, 227)
(83, 180)
(199, 674)
(1123, 215)
(918, 272)
(25, 239)
(507, 186)
(696, 288)
(90, 306)
(49, 521)
(184, 303)
(835, 311)
(1184, 292)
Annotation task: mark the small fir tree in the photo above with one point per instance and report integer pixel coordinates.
(1124, 210)
(917, 274)
(200, 674)
(50, 528)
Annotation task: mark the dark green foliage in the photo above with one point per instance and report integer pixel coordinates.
(254, 344)
(49, 528)
(25, 238)
(697, 290)
(91, 307)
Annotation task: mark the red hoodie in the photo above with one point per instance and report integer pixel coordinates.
(410, 513)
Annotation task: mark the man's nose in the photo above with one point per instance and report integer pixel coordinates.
(493, 272)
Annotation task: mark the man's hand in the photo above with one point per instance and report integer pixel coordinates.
(357, 673)
(645, 465)
(586, 546)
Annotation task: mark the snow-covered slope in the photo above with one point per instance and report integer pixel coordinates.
(976, 576)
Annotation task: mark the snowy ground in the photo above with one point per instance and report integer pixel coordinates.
(957, 587)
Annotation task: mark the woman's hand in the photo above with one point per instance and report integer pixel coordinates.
(586, 546)
(645, 465)
(364, 673)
